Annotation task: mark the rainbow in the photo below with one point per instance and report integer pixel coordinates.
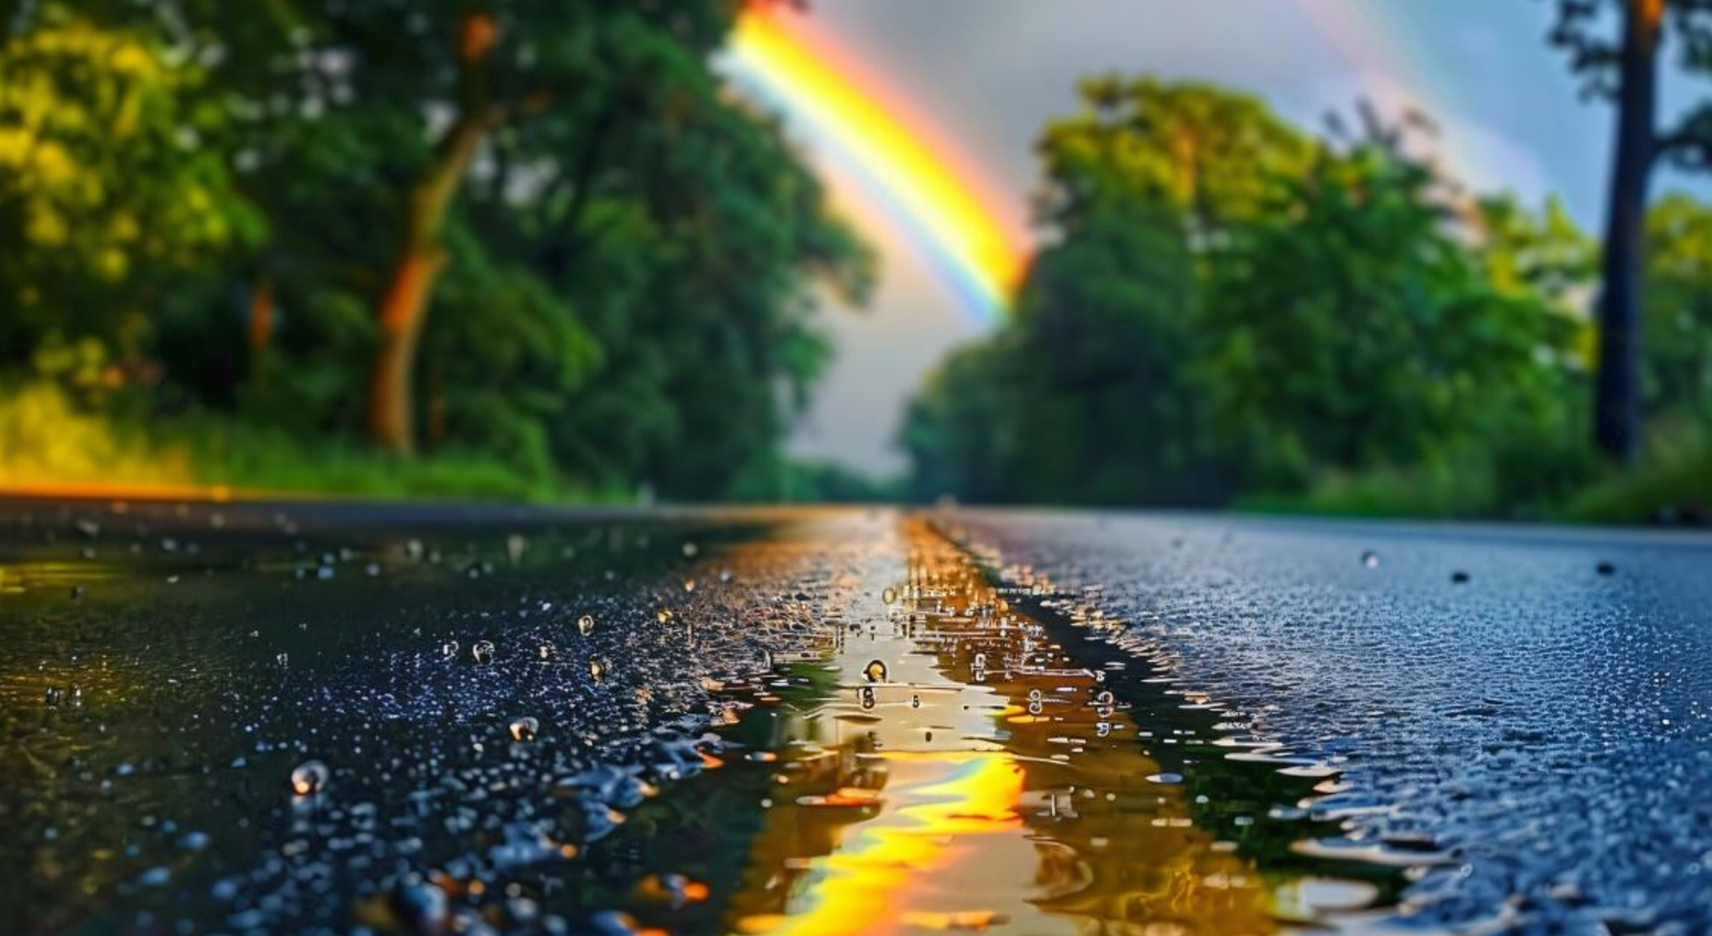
(927, 190)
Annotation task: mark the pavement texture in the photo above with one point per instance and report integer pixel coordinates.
(353, 718)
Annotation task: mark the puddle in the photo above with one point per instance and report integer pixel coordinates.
(952, 767)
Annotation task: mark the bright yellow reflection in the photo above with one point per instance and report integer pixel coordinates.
(982, 785)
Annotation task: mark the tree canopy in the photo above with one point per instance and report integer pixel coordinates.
(1229, 308)
(542, 230)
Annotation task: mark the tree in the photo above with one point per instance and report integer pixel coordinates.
(1355, 329)
(108, 204)
(600, 261)
(1676, 372)
(1087, 392)
(1233, 308)
(1620, 61)
(1206, 153)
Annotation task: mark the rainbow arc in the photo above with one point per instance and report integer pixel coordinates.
(919, 181)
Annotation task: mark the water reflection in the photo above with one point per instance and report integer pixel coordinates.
(983, 781)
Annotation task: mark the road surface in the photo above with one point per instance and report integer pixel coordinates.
(346, 718)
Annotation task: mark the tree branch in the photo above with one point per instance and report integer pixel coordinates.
(1688, 145)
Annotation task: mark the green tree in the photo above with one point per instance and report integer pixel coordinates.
(1354, 329)
(108, 204)
(1676, 372)
(1206, 153)
(1086, 393)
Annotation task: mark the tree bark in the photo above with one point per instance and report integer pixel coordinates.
(1616, 420)
(259, 334)
(410, 282)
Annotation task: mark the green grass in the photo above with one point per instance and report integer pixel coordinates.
(49, 442)
(1671, 482)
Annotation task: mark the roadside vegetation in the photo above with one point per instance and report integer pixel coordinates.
(540, 251)
(1231, 311)
(487, 250)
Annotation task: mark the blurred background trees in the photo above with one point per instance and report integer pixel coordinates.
(1232, 310)
(537, 231)
(544, 248)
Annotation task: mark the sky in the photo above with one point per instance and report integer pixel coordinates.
(989, 74)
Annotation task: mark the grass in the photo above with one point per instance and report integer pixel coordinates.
(48, 443)
(1671, 482)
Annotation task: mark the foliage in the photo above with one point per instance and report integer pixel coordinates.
(1676, 368)
(218, 198)
(1207, 154)
(1334, 328)
(1670, 483)
(106, 201)
(50, 442)
(1086, 395)
(1354, 330)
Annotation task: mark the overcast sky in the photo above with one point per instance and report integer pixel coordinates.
(991, 72)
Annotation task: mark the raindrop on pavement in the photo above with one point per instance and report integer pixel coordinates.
(309, 777)
(482, 651)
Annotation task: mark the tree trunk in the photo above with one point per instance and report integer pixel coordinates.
(260, 331)
(410, 283)
(1616, 420)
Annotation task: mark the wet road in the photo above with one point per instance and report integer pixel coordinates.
(314, 718)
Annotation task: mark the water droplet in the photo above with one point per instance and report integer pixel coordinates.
(1370, 559)
(875, 671)
(585, 624)
(525, 728)
(482, 651)
(309, 777)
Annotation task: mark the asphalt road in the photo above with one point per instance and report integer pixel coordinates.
(354, 718)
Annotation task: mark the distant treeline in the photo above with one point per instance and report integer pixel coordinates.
(1230, 310)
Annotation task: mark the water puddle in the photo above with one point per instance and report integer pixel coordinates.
(952, 767)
